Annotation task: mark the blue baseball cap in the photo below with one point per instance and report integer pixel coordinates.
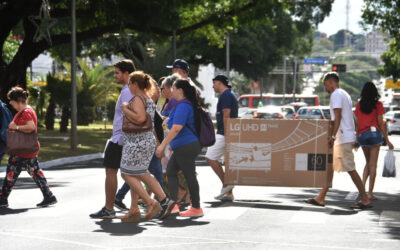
(179, 63)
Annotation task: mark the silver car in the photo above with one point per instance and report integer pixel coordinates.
(392, 119)
(314, 112)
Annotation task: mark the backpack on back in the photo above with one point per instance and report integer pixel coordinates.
(207, 130)
(6, 118)
(206, 134)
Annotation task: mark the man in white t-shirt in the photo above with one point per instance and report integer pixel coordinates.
(342, 138)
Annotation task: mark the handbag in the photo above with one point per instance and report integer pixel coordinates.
(130, 127)
(19, 143)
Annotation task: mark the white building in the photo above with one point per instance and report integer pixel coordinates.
(375, 43)
(205, 75)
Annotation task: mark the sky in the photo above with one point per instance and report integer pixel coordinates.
(337, 18)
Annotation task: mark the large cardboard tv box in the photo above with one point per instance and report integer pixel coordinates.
(291, 153)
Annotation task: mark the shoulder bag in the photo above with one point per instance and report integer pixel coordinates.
(130, 127)
(20, 143)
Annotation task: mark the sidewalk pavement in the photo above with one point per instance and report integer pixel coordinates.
(65, 160)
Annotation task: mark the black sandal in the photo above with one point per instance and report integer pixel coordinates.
(361, 206)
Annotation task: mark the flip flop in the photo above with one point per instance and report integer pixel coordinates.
(314, 202)
(361, 206)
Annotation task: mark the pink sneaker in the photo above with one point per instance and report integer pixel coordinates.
(192, 212)
(175, 210)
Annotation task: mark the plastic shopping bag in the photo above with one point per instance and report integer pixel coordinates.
(389, 168)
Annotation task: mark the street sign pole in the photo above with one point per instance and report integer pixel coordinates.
(74, 133)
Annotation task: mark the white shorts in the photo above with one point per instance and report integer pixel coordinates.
(216, 151)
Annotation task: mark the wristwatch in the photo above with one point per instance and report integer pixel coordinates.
(333, 137)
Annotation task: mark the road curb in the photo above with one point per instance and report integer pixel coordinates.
(65, 160)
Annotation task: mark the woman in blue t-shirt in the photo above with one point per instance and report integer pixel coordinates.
(183, 123)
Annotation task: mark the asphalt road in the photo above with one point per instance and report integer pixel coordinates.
(259, 218)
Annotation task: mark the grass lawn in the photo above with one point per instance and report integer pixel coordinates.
(91, 139)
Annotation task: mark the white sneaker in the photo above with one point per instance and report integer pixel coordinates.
(224, 190)
(228, 197)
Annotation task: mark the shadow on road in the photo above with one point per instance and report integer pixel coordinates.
(276, 205)
(7, 211)
(119, 228)
(187, 222)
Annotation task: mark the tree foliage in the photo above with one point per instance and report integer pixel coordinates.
(385, 15)
(155, 19)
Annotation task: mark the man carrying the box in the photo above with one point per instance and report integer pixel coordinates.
(227, 107)
(342, 138)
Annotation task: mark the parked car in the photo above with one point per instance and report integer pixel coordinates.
(314, 112)
(270, 112)
(297, 105)
(392, 119)
(246, 113)
(289, 112)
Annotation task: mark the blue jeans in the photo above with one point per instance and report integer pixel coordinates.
(369, 138)
(154, 168)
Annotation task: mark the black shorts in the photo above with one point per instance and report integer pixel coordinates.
(112, 155)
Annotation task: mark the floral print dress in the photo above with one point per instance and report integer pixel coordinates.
(138, 148)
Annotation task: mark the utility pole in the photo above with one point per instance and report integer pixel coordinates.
(294, 79)
(284, 80)
(74, 133)
(227, 55)
(174, 37)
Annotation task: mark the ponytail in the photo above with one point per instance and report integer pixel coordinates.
(190, 93)
(143, 81)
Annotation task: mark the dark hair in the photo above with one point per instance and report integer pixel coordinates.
(331, 75)
(143, 81)
(125, 65)
(369, 97)
(161, 80)
(18, 94)
(190, 93)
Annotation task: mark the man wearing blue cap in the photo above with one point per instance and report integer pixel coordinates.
(227, 107)
(181, 67)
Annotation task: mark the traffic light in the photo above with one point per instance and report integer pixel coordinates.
(339, 67)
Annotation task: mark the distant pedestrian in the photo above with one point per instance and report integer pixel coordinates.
(370, 128)
(113, 151)
(227, 107)
(24, 121)
(183, 121)
(138, 151)
(342, 138)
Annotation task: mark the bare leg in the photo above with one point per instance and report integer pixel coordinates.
(153, 185)
(217, 167)
(373, 159)
(111, 186)
(359, 184)
(322, 194)
(136, 185)
(366, 152)
(134, 201)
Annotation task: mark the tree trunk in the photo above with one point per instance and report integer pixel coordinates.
(64, 120)
(50, 115)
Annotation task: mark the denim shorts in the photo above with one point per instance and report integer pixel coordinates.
(369, 138)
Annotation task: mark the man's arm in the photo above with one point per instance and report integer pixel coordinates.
(226, 114)
(336, 124)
